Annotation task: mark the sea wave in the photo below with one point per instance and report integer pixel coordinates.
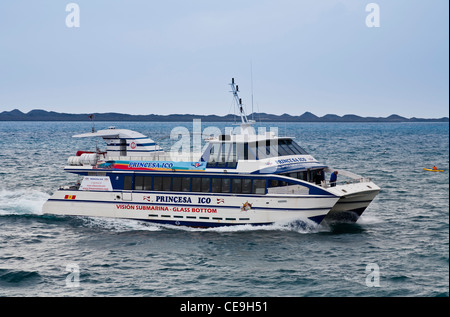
(10, 277)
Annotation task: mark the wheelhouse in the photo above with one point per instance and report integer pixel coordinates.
(226, 152)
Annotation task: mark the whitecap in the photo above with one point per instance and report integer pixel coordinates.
(369, 220)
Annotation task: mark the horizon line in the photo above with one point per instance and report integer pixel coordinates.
(225, 115)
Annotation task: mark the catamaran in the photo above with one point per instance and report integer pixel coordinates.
(240, 178)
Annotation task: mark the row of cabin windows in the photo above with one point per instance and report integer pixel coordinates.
(199, 184)
(226, 155)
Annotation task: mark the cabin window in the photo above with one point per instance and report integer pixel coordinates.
(298, 175)
(128, 182)
(302, 176)
(216, 185)
(176, 184)
(157, 183)
(237, 185)
(166, 183)
(273, 183)
(246, 185)
(206, 184)
(226, 185)
(185, 184)
(259, 186)
(139, 183)
(143, 182)
(196, 184)
(148, 182)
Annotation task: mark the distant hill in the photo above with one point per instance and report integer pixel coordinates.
(43, 115)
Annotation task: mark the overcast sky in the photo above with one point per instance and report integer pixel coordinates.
(178, 56)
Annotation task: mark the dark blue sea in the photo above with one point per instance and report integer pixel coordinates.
(399, 247)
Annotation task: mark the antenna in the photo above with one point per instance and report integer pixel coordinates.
(245, 122)
(251, 77)
(235, 90)
(91, 117)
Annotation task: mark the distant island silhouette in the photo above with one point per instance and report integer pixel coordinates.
(43, 115)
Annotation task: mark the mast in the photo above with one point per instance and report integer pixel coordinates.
(245, 122)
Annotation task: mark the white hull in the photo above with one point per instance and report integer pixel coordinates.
(190, 209)
(354, 200)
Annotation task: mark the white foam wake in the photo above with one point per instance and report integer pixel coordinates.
(22, 201)
(119, 224)
(300, 226)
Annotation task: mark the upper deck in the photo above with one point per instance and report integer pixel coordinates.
(241, 152)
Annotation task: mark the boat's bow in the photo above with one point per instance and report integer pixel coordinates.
(355, 196)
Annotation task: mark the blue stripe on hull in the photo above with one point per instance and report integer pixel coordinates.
(175, 204)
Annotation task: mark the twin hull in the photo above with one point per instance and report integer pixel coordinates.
(190, 209)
